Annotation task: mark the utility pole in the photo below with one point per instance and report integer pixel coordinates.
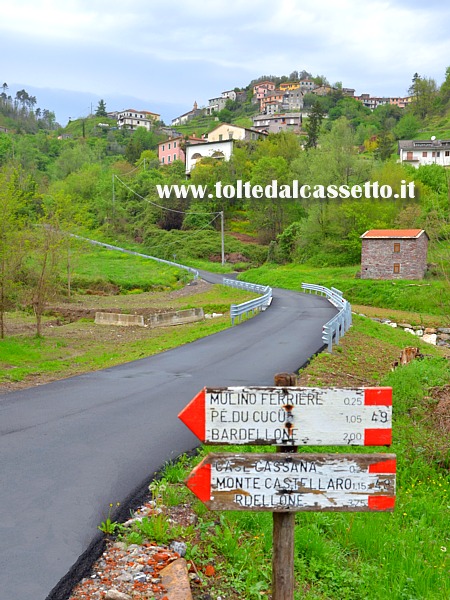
(113, 198)
(222, 236)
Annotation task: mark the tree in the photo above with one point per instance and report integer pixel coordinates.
(314, 124)
(407, 127)
(320, 80)
(225, 115)
(12, 201)
(270, 212)
(444, 91)
(141, 140)
(101, 109)
(46, 248)
(385, 141)
(424, 92)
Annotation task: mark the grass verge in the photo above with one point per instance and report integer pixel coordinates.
(426, 297)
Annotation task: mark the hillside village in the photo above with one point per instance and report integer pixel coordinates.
(279, 107)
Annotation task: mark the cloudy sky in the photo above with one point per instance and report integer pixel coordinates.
(161, 55)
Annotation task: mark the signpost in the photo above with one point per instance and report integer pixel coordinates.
(295, 482)
(291, 416)
(286, 482)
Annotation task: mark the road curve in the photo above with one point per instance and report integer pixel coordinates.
(69, 448)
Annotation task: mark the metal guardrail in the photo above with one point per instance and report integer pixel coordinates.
(261, 303)
(161, 260)
(335, 328)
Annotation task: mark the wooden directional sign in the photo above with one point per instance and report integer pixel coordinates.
(296, 482)
(295, 416)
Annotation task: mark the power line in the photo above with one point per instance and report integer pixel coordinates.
(182, 212)
(193, 231)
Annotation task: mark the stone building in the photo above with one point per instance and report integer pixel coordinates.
(394, 254)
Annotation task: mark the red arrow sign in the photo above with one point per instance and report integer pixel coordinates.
(296, 482)
(291, 416)
(193, 415)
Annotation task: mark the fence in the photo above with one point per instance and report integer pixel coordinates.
(340, 323)
(261, 303)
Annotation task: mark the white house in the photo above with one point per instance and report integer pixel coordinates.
(424, 152)
(274, 123)
(219, 150)
(230, 94)
(226, 131)
(132, 119)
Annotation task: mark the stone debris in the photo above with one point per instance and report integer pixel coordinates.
(175, 577)
(114, 594)
(178, 547)
(437, 336)
(138, 571)
(430, 338)
(127, 573)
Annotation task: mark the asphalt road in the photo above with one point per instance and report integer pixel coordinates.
(71, 447)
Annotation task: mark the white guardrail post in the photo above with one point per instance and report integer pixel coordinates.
(336, 327)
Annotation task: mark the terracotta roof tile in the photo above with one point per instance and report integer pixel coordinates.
(393, 233)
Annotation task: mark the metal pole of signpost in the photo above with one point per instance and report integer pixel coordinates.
(222, 228)
(283, 540)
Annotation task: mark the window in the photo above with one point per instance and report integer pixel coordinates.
(438, 154)
(424, 154)
(168, 146)
(163, 148)
(174, 144)
(396, 247)
(162, 160)
(433, 154)
(220, 137)
(230, 135)
(174, 157)
(396, 267)
(447, 153)
(168, 158)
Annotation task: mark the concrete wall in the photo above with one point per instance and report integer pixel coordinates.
(178, 317)
(102, 318)
(166, 319)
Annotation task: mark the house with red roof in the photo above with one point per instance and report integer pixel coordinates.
(132, 119)
(394, 254)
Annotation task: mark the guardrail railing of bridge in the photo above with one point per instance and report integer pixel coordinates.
(335, 328)
(251, 306)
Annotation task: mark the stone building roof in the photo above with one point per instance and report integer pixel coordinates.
(393, 233)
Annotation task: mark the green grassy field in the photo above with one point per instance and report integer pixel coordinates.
(94, 267)
(69, 348)
(429, 296)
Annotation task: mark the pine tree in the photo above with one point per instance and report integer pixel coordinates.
(101, 109)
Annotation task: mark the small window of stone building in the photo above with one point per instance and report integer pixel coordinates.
(396, 247)
(396, 267)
